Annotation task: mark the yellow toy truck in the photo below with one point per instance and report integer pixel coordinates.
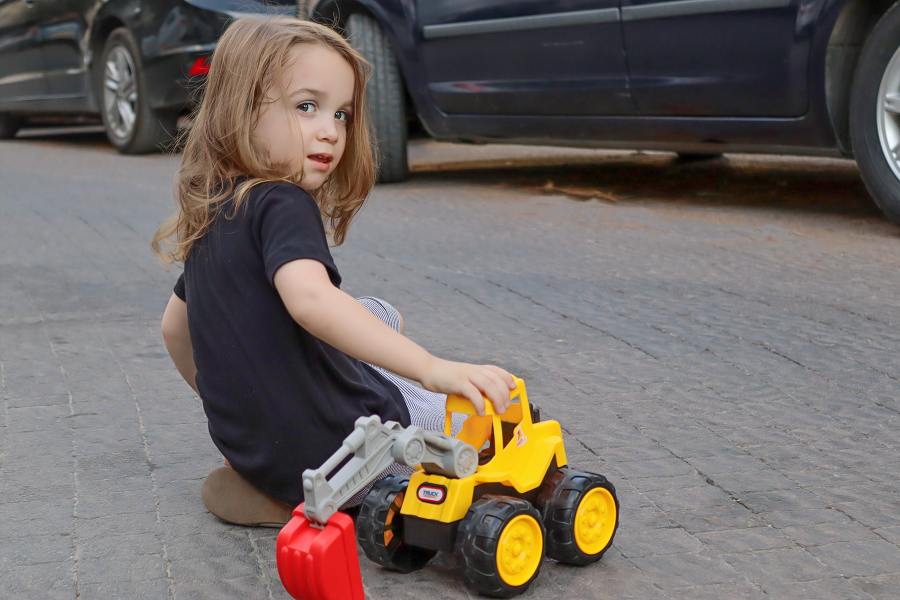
(500, 509)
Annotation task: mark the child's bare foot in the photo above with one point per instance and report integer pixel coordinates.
(235, 500)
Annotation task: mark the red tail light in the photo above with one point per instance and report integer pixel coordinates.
(200, 66)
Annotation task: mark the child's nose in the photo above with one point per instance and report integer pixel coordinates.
(328, 131)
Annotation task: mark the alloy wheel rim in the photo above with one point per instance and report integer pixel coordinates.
(595, 521)
(120, 94)
(888, 113)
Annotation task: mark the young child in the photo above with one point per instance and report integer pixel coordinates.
(257, 324)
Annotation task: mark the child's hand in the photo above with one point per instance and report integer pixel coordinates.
(471, 381)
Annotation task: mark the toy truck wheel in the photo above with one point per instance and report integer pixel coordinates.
(581, 515)
(500, 545)
(379, 528)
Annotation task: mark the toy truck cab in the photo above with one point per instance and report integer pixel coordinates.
(521, 503)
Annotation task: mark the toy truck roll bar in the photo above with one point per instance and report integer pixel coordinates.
(374, 446)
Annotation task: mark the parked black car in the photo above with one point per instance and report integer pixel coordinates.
(818, 77)
(700, 77)
(135, 62)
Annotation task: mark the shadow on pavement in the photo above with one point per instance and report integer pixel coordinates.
(814, 186)
(791, 184)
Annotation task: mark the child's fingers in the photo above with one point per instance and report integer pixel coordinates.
(507, 378)
(474, 395)
(493, 387)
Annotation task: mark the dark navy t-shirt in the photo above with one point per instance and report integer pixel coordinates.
(278, 399)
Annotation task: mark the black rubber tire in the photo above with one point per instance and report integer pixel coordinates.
(880, 180)
(153, 130)
(687, 157)
(477, 542)
(558, 501)
(9, 126)
(372, 525)
(386, 96)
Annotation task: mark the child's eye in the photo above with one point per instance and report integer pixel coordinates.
(306, 107)
(342, 115)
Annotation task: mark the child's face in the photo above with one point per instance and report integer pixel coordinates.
(307, 128)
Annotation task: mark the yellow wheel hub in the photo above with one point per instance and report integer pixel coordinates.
(519, 551)
(595, 521)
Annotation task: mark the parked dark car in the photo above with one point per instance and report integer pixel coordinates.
(698, 77)
(133, 62)
(815, 77)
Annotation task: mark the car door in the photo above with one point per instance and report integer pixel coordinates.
(63, 29)
(21, 61)
(525, 57)
(718, 57)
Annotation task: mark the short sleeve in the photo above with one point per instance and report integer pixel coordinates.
(288, 226)
(179, 290)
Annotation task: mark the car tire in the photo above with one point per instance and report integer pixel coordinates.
(690, 157)
(385, 94)
(131, 124)
(875, 113)
(581, 514)
(500, 546)
(9, 126)
(379, 528)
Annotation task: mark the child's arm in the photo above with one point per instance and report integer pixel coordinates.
(338, 319)
(178, 340)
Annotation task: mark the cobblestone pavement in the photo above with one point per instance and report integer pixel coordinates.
(719, 339)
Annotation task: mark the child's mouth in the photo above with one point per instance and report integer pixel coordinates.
(320, 161)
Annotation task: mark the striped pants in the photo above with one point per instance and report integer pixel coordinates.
(426, 409)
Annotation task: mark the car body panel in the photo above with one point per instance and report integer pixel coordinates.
(719, 57)
(794, 120)
(525, 57)
(22, 66)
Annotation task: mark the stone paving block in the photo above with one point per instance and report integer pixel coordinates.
(34, 550)
(828, 533)
(752, 539)
(790, 499)
(717, 517)
(859, 559)
(53, 579)
(824, 589)
(687, 569)
(127, 524)
(154, 589)
(810, 516)
(780, 564)
(216, 544)
(697, 498)
(754, 481)
(743, 590)
(132, 567)
(633, 542)
(874, 513)
(883, 587)
(36, 518)
(55, 400)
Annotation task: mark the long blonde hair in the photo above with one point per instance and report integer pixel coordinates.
(248, 62)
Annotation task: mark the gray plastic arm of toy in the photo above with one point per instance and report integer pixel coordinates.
(375, 446)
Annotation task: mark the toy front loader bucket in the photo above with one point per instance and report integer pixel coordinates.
(319, 564)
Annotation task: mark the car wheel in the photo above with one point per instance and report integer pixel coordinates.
(379, 528)
(132, 126)
(875, 113)
(9, 125)
(385, 94)
(689, 157)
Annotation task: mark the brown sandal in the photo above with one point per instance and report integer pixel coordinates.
(235, 500)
